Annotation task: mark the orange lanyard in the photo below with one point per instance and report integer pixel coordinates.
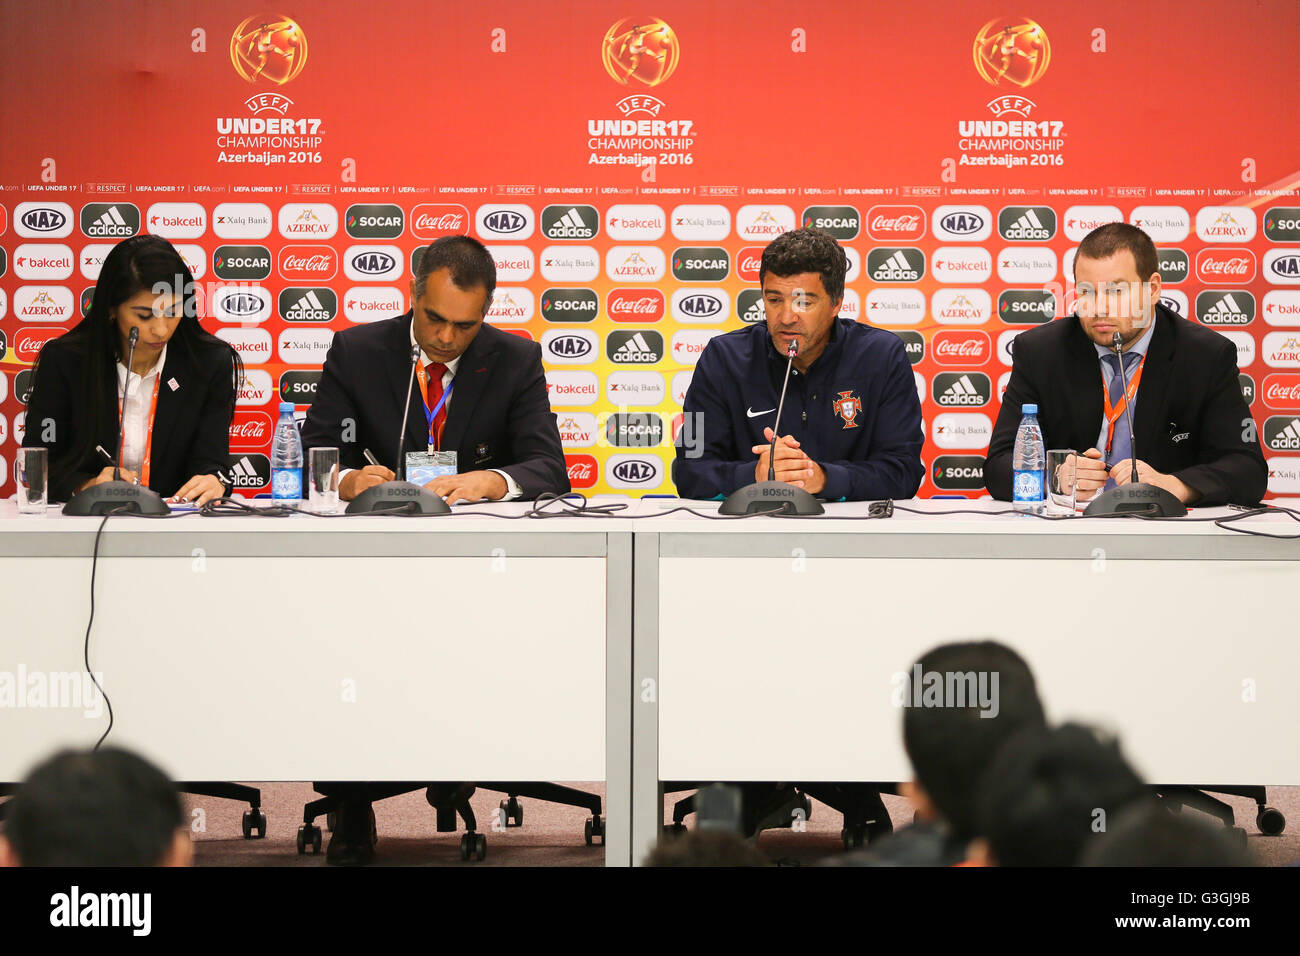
(148, 435)
(1114, 412)
(435, 426)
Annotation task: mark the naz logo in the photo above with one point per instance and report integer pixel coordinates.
(112, 220)
(570, 222)
(1027, 223)
(374, 221)
(701, 264)
(43, 219)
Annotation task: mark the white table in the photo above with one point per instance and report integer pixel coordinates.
(767, 648)
(306, 648)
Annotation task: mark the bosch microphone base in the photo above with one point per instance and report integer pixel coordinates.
(393, 495)
(773, 496)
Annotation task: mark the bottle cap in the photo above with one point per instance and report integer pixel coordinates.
(1024, 409)
(286, 407)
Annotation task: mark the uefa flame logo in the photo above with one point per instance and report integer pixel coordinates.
(271, 48)
(640, 49)
(1012, 52)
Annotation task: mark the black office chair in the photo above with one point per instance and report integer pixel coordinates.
(1269, 820)
(254, 822)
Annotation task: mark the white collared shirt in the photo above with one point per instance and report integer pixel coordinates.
(135, 412)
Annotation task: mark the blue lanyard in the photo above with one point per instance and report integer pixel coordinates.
(429, 416)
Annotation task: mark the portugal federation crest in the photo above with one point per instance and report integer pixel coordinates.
(848, 406)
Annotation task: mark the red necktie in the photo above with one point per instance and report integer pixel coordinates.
(434, 372)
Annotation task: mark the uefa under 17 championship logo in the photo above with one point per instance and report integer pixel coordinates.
(640, 49)
(271, 48)
(1014, 51)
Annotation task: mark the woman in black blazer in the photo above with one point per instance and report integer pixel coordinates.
(182, 379)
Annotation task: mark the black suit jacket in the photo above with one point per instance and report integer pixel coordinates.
(191, 429)
(1189, 419)
(499, 415)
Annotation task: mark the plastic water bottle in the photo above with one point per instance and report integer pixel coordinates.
(1028, 464)
(286, 458)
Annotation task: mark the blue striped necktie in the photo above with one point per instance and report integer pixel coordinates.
(1121, 445)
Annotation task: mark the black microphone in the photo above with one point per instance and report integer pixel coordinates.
(791, 352)
(1118, 342)
(121, 412)
(410, 387)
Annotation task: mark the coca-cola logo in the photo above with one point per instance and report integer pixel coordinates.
(635, 305)
(1282, 390)
(749, 261)
(961, 347)
(431, 220)
(895, 222)
(1225, 265)
(29, 342)
(582, 470)
(308, 263)
(250, 429)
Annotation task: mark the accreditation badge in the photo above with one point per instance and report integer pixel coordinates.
(422, 467)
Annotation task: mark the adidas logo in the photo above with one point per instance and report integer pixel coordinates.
(635, 350)
(1225, 312)
(309, 308)
(962, 392)
(570, 226)
(244, 474)
(110, 223)
(1288, 438)
(895, 269)
(1028, 226)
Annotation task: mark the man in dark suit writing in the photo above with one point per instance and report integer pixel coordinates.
(1192, 430)
(480, 392)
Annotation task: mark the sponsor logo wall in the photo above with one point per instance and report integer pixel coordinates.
(623, 278)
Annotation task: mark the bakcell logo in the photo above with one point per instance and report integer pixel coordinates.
(373, 263)
(243, 303)
(368, 305)
(913, 344)
(1225, 224)
(576, 347)
(1282, 307)
(1282, 267)
(1027, 223)
(701, 264)
(633, 471)
(962, 223)
(309, 263)
(763, 223)
(42, 261)
(1281, 390)
(1282, 349)
(635, 223)
(850, 306)
(895, 306)
(961, 430)
(1283, 476)
(1174, 300)
(634, 347)
(681, 383)
(92, 258)
(570, 222)
(635, 388)
(110, 220)
(1225, 266)
(961, 389)
(1281, 224)
(511, 306)
(1162, 223)
(569, 305)
(749, 307)
(241, 220)
(29, 342)
(1026, 265)
(962, 348)
(961, 306)
(634, 430)
(572, 388)
(255, 389)
(250, 430)
(42, 303)
(374, 221)
(961, 264)
(509, 221)
(582, 471)
(635, 305)
(749, 262)
(895, 223)
(701, 223)
(514, 263)
(1245, 345)
(688, 344)
(250, 471)
(308, 220)
(432, 220)
(1282, 433)
(308, 304)
(177, 220)
(895, 264)
(1225, 307)
(43, 220)
(842, 222)
(304, 346)
(700, 305)
(298, 385)
(253, 345)
(577, 429)
(1247, 386)
(1172, 264)
(958, 472)
(570, 263)
(1081, 220)
(241, 263)
(636, 264)
(1026, 306)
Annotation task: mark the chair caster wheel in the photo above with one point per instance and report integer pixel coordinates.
(595, 828)
(512, 812)
(854, 837)
(309, 836)
(254, 824)
(331, 820)
(473, 845)
(1270, 821)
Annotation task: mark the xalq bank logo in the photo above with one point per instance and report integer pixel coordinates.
(268, 48)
